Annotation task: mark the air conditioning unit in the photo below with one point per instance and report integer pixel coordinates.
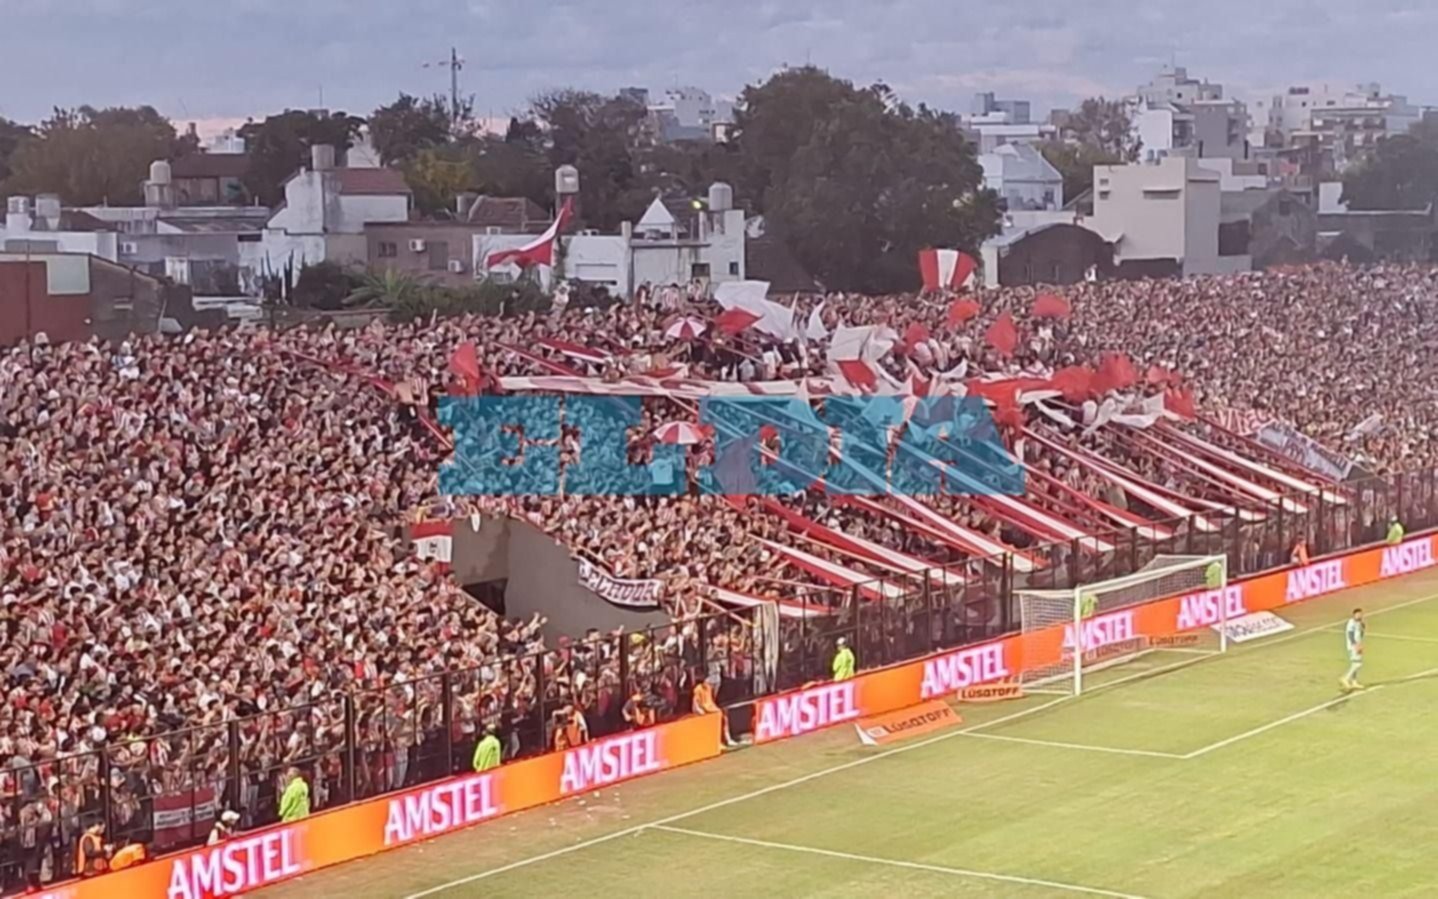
(456, 266)
(493, 229)
(129, 248)
(416, 246)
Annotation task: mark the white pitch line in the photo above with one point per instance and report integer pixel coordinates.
(898, 863)
(1404, 637)
(544, 857)
(733, 800)
(1297, 716)
(1116, 750)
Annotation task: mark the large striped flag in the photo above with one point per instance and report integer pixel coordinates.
(946, 269)
(539, 251)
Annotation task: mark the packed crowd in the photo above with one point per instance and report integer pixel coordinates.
(208, 528)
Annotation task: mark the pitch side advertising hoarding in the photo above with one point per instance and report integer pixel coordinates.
(253, 860)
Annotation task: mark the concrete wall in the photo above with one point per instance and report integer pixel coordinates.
(1201, 219)
(457, 241)
(542, 577)
(1165, 210)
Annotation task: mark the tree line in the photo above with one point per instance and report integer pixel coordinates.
(850, 177)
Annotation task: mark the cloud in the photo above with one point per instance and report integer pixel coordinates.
(251, 57)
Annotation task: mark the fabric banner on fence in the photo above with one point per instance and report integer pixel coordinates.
(1305, 451)
(181, 816)
(641, 595)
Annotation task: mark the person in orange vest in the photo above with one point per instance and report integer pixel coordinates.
(704, 704)
(637, 711)
(126, 856)
(570, 729)
(92, 856)
(1300, 552)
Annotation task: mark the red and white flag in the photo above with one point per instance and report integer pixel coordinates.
(433, 541)
(946, 269)
(539, 251)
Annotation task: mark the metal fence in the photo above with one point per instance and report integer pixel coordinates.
(165, 790)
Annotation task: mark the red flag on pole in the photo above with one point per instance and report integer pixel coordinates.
(1002, 335)
(734, 320)
(1075, 382)
(914, 335)
(1115, 372)
(539, 251)
(1051, 305)
(961, 311)
(465, 365)
(858, 373)
(1179, 401)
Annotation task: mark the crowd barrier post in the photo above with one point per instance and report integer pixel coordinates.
(350, 769)
(625, 685)
(106, 805)
(233, 773)
(928, 588)
(446, 717)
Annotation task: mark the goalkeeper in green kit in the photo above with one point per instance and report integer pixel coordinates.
(1353, 639)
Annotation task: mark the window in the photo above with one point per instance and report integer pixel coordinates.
(734, 268)
(438, 255)
(1285, 207)
(699, 270)
(388, 249)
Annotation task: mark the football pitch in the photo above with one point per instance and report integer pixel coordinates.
(1246, 775)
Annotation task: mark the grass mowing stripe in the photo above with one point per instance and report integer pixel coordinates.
(898, 863)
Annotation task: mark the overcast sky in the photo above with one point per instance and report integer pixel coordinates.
(223, 59)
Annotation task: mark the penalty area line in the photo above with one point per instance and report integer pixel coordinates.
(900, 863)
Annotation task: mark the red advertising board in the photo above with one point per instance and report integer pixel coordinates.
(253, 860)
(890, 689)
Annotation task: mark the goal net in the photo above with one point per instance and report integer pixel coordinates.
(1100, 628)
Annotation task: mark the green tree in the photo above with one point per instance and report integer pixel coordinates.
(504, 168)
(858, 182)
(409, 125)
(90, 156)
(280, 145)
(387, 289)
(436, 175)
(1075, 161)
(12, 134)
(323, 285)
(1105, 126)
(1400, 173)
(598, 135)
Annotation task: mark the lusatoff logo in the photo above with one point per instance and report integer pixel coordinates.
(510, 446)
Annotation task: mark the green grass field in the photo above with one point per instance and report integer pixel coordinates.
(1245, 775)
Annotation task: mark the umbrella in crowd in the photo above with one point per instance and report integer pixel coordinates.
(682, 433)
(685, 328)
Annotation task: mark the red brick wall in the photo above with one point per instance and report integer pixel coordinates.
(27, 307)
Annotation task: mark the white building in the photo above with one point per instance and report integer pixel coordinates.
(1278, 118)
(994, 130)
(52, 229)
(705, 243)
(1164, 215)
(325, 212)
(1172, 84)
(1022, 177)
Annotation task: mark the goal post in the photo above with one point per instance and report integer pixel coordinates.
(1101, 627)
